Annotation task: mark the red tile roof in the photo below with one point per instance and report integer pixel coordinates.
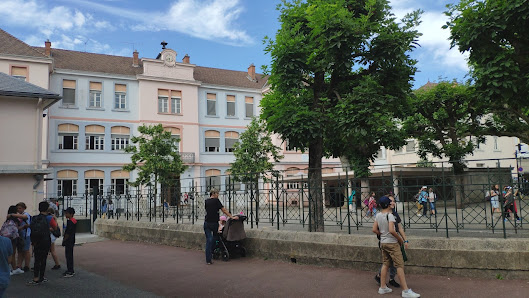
(14, 46)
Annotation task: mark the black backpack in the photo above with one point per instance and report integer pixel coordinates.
(40, 229)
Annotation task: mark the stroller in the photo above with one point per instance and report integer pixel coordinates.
(229, 240)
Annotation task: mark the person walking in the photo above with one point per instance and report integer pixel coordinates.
(390, 245)
(41, 226)
(211, 221)
(432, 198)
(423, 200)
(399, 229)
(53, 238)
(69, 241)
(494, 194)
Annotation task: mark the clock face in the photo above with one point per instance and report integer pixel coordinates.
(169, 58)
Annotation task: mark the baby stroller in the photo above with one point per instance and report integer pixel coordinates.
(229, 240)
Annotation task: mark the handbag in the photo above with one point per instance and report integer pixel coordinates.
(404, 257)
(57, 232)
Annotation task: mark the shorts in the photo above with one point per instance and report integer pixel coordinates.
(18, 244)
(391, 254)
(53, 238)
(495, 203)
(27, 244)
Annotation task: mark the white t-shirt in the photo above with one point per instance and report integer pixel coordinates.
(383, 220)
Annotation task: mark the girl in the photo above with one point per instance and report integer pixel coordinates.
(52, 247)
(371, 205)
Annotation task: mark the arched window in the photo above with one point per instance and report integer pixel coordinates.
(212, 141)
(66, 183)
(68, 136)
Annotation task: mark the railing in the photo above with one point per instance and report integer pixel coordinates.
(285, 202)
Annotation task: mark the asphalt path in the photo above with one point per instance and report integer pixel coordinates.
(129, 269)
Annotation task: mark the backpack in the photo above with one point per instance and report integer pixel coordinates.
(9, 229)
(40, 229)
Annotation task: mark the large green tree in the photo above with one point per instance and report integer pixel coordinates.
(446, 120)
(155, 156)
(495, 34)
(340, 74)
(255, 153)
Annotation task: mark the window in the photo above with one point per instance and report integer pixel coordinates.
(249, 106)
(95, 95)
(176, 102)
(120, 98)
(19, 72)
(119, 182)
(496, 143)
(66, 183)
(230, 138)
(212, 141)
(68, 134)
(212, 179)
(380, 154)
(410, 146)
(163, 101)
(231, 184)
(68, 92)
(120, 137)
(211, 104)
(175, 134)
(230, 105)
(95, 137)
(94, 178)
(288, 147)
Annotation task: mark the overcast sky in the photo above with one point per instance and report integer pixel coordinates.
(215, 33)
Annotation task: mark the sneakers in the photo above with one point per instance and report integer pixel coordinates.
(26, 269)
(377, 278)
(44, 279)
(11, 272)
(409, 294)
(33, 283)
(68, 274)
(394, 283)
(56, 267)
(385, 290)
(18, 271)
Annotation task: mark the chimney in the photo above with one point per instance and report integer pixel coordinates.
(186, 59)
(47, 47)
(251, 72)
(135, 60)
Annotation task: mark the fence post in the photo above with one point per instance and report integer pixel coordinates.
(257, 203)
(444, 191)
(95, 191)
(277, 201)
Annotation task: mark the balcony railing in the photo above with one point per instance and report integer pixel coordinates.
(188, 157)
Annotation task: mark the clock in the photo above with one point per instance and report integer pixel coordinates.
(169, 59)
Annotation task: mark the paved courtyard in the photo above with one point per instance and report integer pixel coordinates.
(111, 268)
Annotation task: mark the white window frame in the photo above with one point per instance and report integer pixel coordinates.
(176, 105)
(120, 100)
(60, 186)
(95, 99)
(119, 142)
(99, 142)
(113, 185)
(87, 184)
(209, 149)
(163, 104)
(213, 102)
(75, 141)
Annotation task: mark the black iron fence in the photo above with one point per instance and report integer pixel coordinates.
(461, 205)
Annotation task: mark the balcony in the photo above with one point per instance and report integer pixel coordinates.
(187, 157)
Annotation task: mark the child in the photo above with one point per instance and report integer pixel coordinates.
(390, 244)
(69, 241)
(222, 222)
(52, 247)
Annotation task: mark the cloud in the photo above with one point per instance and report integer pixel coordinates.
(214, 20)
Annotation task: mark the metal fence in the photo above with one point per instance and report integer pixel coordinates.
(283, 201)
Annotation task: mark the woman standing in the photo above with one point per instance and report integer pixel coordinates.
(495, 199)
(211, 222)
(432, 198)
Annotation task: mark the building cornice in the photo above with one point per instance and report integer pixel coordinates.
(231, 88)
(44, 60)
(167, 80)
(93, 74)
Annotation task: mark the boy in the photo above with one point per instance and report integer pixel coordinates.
(41, 225)
(69, 241)
(390, 242)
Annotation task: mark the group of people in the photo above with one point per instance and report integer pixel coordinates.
(508, 197)
(426, 199)
(24, 235)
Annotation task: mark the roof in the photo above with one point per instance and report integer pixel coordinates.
(73, 60)
(224, 77)
(14, 46)
(427, 86)
(11, 86)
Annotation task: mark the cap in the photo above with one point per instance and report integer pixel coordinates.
(70, 210)
(424, 187)
(384, 200)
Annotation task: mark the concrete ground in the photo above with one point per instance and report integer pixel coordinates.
(107, 268)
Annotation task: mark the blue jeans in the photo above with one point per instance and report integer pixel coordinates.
(210, 229)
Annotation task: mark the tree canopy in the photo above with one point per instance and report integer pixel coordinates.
(340, 74)
(446, 120)
(495, 33)
(253, 153)
(156, 156)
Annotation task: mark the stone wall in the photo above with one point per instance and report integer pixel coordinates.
(472, 257)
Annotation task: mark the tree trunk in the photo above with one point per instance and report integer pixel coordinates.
(315, 185)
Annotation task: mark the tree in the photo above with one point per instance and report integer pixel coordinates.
(446, 120)
(253, 153)
(156, 157)
(339, 75)
(495, 33)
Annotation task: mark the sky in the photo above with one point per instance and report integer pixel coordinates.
(224, 34)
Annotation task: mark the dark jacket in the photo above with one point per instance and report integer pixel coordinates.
(69, 233)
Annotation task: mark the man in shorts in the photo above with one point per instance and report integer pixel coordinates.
(390, 243)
